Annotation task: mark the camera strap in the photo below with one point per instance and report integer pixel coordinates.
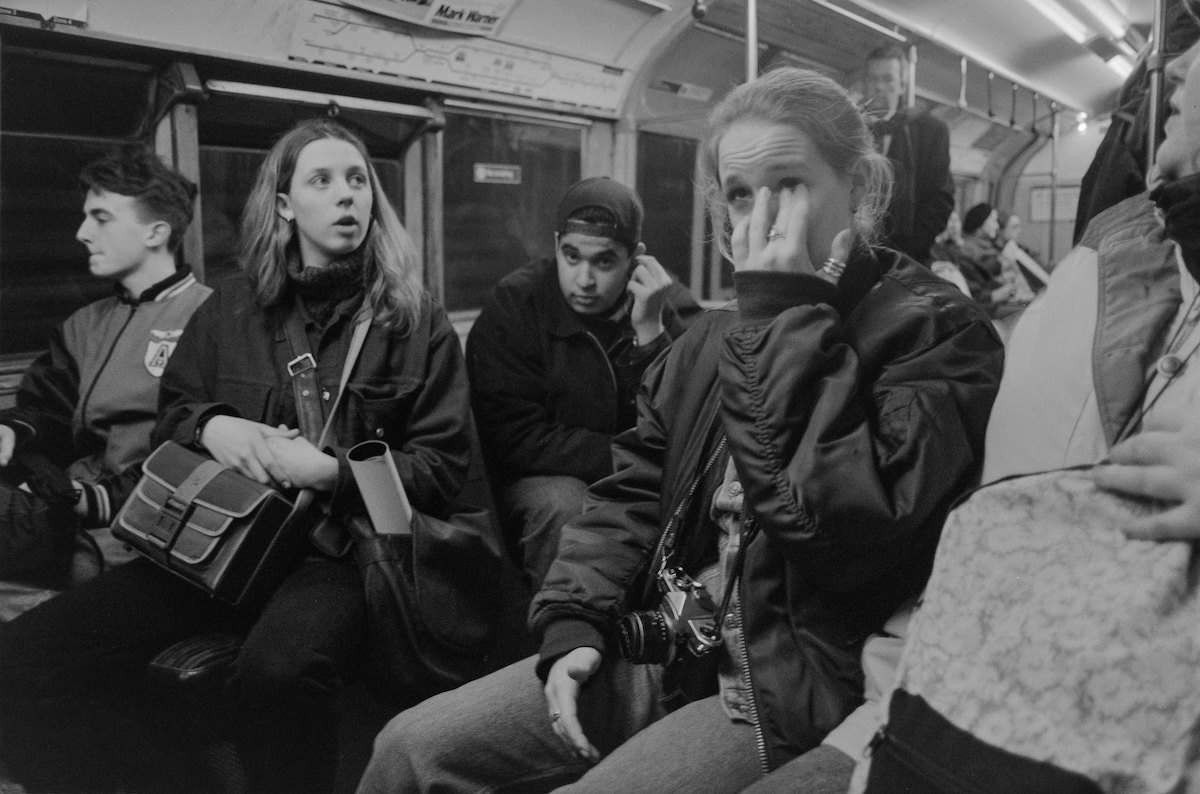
(666, 543)
(747, 529)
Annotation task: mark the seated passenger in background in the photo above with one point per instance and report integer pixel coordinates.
(556, 356)
(1028, 261)
(85, 407)
(996, 282)
(947, 258)
(796, 453)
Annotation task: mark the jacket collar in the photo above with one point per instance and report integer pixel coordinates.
(161, 290)
(1138, 294)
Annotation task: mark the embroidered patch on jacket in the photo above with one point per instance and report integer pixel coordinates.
(159, 349)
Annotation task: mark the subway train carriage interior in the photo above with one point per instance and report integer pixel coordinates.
(1006, 127)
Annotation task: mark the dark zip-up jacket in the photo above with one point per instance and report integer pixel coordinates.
(409, 390)
(547, 395)
(855, 415)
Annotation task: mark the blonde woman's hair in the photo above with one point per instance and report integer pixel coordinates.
(821, 109)
(391, 269)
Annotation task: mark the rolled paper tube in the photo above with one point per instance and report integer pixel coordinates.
(379, 483)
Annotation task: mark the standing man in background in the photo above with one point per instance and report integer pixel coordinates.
(918, 146)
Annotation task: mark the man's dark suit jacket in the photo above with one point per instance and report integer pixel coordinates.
(923, 195)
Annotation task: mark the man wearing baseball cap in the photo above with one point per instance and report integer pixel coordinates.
(556, 356)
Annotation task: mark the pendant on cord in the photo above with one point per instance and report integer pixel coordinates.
(1169, 365)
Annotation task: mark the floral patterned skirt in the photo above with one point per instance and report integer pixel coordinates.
(1044, 631)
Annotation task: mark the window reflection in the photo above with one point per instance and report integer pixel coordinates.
(493, 228)
(665, 183)
(52, 124)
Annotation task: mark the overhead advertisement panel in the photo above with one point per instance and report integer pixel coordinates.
(472, 17)
(336, 35)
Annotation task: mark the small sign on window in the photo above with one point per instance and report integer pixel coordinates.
(497, 174)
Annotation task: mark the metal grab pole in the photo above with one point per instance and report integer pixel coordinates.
(1053, 178)
(1154, 68)
(751, 39)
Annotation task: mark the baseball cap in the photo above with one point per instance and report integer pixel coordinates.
(600, 191)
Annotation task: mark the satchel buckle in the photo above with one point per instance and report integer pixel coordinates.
(301, 364)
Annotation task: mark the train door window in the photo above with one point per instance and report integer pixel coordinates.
(502, 179)
(665, 182)
(238, 124)
(58, 114)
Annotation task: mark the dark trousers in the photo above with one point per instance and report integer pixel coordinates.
(76, 712)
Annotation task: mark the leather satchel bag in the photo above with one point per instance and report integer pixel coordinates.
(1051, 653)
(214, 527)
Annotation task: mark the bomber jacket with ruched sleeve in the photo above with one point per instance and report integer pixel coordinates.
(855, 415)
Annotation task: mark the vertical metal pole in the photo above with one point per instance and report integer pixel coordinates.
(962, 81)
(1154, 66)
(1053, 179)
(751, 39)
(910, 98)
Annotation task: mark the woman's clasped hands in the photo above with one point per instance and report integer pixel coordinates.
(277, 456)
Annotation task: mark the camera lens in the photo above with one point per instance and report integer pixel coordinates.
(644, 638)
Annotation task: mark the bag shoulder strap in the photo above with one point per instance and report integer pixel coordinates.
(303, 371)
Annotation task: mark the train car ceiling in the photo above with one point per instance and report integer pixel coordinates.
(476, 133)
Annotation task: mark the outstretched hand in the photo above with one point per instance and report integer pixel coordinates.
(781, 244)
(1162, 462)
(568, 673)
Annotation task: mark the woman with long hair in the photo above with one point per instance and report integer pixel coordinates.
(794, 453)
(321, 250)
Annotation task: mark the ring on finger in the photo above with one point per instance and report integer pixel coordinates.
(775, 234)
(554, 716)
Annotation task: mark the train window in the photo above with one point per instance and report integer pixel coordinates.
(53, 121)
(664, 180)
(239, 123)
(502, 181)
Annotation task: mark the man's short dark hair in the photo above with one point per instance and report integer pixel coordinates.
(888, 52)
(161, 193)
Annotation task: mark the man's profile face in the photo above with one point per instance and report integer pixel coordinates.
(1179, 153)
(592, 271)
(115, 234)
(885, 81)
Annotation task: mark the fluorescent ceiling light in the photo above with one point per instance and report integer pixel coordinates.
(1113, 23)
(1067, 23)
(1121, 65)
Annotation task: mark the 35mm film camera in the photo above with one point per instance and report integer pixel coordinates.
(684, 619)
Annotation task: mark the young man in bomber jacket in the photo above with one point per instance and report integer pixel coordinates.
(87, 403)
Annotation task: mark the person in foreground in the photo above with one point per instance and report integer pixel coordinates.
(796, 453)
(321, 248)
(555, 358)
(1076, 377)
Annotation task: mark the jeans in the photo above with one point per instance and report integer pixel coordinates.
(822, 770)
(75, 711)
(538, 507)
(494, 735)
